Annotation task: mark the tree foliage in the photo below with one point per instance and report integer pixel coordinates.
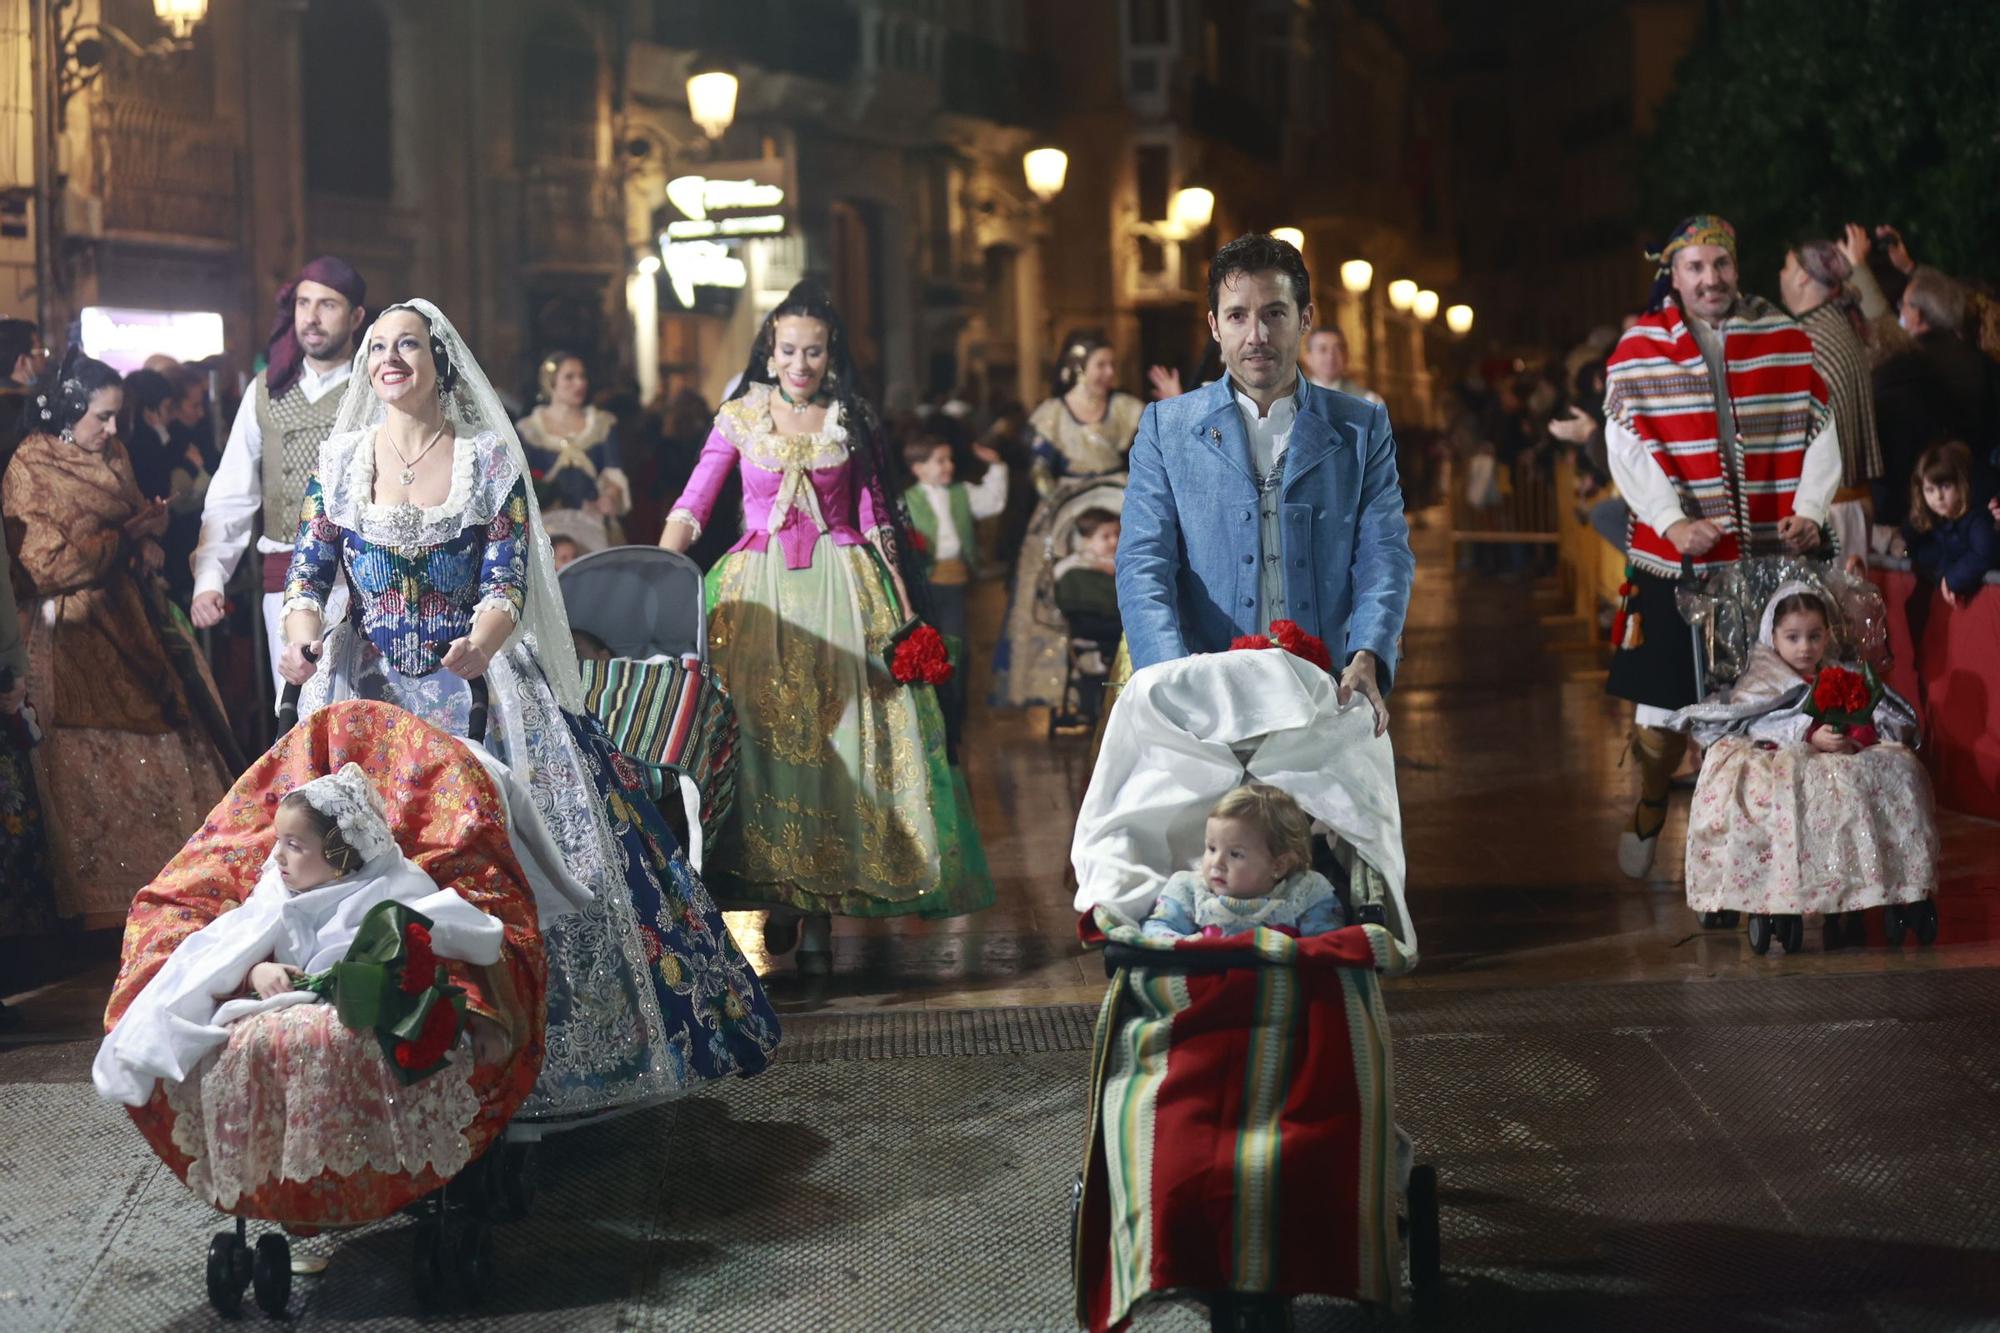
(1796, 116)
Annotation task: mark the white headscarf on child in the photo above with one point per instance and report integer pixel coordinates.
(1768, 625)
(183, 1013)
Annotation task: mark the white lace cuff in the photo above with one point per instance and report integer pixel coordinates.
(497, 602)
(313, 604)
(684, 516)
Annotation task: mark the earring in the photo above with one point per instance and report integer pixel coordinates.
(68, 435)
(771, 366)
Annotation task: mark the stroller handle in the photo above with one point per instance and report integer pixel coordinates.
(475, 726)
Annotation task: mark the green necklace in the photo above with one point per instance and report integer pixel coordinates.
(791, 401)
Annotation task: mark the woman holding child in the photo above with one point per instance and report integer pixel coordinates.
(845, 802)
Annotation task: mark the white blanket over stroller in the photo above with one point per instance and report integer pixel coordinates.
(1184, 733)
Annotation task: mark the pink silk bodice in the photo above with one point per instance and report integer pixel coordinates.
(797, 488)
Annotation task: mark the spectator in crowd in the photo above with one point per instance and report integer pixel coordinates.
(1814, 287)
(22, 357)
(187, 417)
(1949, 536)
(1326, 364)
(1938, 388)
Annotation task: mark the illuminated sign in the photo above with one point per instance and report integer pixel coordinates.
(699, 196)
(692, 264)
(756, 224)
(123, 339)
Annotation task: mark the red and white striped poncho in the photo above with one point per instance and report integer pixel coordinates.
(1657, 386)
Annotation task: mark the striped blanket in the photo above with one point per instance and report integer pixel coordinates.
(676, 721)
(1242, 1130)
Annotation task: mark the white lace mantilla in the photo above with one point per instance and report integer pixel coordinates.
(351, 801)
(483, 471)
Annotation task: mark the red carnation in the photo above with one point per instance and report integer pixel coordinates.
(1827, 692)
(921, 656)
(1857, 693)
(1250, 641)
(440, 1030)
(419, 959)
(1301, 644)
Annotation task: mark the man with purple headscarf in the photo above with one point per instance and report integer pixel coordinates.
(274, 444)
(1815, 287)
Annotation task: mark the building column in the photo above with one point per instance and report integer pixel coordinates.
(274, 155)
(1031, 324)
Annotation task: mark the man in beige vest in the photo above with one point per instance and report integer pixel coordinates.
(274, 443)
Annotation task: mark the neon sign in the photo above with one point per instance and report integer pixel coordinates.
(692, 264)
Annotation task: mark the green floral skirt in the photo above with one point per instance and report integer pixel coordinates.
(844, 800)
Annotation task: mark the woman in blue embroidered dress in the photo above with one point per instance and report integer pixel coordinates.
(422, 498)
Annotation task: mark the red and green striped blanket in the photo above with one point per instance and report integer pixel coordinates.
(1242, 1131)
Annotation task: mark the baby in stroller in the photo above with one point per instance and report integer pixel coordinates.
(1086, 593)
(1256, 872)
(362, 822)
(1795, 813)
(1243, 1144)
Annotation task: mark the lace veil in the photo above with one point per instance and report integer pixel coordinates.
(350, 800)
(474, 405)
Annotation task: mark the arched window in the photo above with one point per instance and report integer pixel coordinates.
(558, 94)
(344, 47)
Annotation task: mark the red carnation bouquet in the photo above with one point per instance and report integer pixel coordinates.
(392, 983)
(1845, 698)
(917, 655)
(1286, 634)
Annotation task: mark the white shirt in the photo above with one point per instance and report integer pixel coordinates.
(237, 491)
(988, 496)
(1270, 434)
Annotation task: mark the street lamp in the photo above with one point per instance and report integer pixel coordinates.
(180, 16)
(1402, 294)
(1425, 306)
(1356, 275)
(1458, 319)
(711, 94)
(1046, 169)
(1192, 209)
(1291, 236)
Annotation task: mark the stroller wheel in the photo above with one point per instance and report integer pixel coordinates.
(1896, 924)
(427, 1267)
(1760, 933)
(1420, 1201)
(272, 1274)
(1791, 931)
(1718, 920)
(228, 1272)
(521, 1178)
(1924, 920)
(473, 1258)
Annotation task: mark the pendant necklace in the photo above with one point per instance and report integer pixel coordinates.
(409, 474)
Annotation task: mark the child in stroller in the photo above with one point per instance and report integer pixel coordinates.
(1792, 816)
(271, 1107)
(1242, 1143)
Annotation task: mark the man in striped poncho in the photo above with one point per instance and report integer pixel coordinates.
(1721, 441)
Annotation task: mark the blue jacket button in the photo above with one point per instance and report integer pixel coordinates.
(1243, 514)
(1298, 564)
(1249, 559)
(1305, 606)
(1249, 601)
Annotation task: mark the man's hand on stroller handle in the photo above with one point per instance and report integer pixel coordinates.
(1360, 677)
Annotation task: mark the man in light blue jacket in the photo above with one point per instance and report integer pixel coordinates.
(1263, 497)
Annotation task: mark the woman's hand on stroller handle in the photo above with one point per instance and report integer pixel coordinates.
(299, 661)
(465, 659)
(1360, 678)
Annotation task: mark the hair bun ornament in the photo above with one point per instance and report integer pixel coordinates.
(350, 800)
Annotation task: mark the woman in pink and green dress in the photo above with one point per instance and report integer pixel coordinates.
(846, 803)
